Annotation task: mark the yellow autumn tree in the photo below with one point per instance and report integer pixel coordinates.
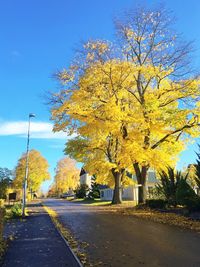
(37, 171)
(134, 105)
(52, 192)
(67, 176)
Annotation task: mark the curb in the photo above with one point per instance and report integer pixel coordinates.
(65, 241)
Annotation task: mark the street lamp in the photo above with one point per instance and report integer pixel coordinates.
(31, 115)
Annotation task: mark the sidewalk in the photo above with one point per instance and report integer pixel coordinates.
(38, 244)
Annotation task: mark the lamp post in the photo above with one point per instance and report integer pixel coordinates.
(31, 115)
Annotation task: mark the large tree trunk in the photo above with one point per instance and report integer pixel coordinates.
(117, 194)
(141, 175)
(142, 193)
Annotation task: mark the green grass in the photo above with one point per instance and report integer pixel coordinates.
(91, 202)
(99, 202)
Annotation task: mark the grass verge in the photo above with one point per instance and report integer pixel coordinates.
(91, 202)
(77, 247)
(99, 202)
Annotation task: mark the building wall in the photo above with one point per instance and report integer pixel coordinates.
(129, 193)
(106, 194)
(86, 179)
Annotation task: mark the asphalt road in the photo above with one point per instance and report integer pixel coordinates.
(122, 241)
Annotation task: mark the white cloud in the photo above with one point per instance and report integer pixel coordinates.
(40, 130)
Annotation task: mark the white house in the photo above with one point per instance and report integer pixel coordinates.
(131, 192)
(85, 178)
(128, 193)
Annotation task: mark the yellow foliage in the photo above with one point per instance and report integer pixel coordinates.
(37, 171)
(125, 113)
(67, 175)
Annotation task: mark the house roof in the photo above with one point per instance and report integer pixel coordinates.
(83, 171)
(102, 186)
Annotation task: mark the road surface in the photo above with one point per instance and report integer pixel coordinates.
(117, 240)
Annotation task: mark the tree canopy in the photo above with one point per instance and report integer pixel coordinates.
(37, 170)
(133, 104)
(66, 176)
(5, 181)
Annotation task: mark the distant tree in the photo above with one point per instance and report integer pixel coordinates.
(5, 181)
(37, 171)
(52, 192)
(67, 175)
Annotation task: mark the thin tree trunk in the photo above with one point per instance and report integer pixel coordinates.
(117, 194)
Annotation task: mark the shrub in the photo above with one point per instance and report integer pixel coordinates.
(184, 192)
(2, 203)
(156, 203)
(168, 184)
(82, 191)
(94, 194)
(193, 204)
(186, 196)
(16, 211)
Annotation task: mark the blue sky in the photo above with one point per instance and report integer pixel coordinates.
(38, 38)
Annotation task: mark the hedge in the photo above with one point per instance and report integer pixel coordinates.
(156, 203)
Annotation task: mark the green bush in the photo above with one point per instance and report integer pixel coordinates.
(186, 196)
(156, 203)
(16, 211)
(94, 191)
(193, 204)
(82, 191)
(184, 192)
(94, 194)
(168, 184)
